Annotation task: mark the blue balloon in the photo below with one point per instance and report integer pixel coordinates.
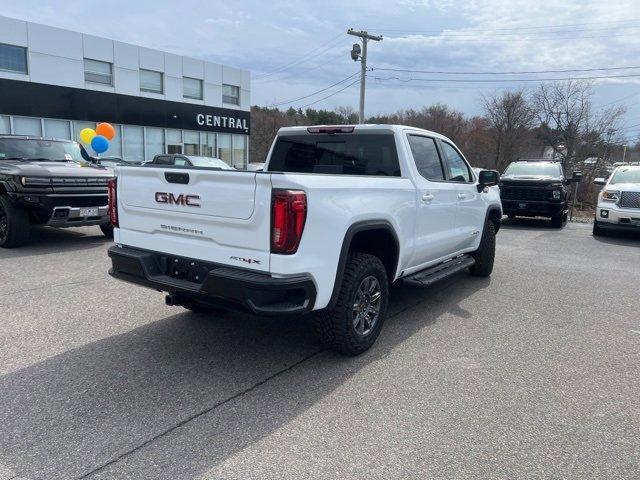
(99, 144)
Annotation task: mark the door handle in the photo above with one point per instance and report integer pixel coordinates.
(462, 196)
(427, 197)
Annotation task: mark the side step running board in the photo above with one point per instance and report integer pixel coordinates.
(430, 275)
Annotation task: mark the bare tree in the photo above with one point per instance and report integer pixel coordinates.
(511, 119)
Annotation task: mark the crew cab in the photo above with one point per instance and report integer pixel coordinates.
(47, 181)
(536, 188)
(619, 201)
(337, 215)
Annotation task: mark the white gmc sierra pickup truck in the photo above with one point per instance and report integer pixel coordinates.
(338, 214)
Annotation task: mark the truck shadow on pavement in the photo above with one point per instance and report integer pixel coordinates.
(522, 223)
(46, 240)
(177, 397)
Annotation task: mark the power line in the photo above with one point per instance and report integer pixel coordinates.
(331, 95)
(495, 80)
(504, 72)
(307, 69)
(497, 33)
(620, 99)
(530, 28)
(515, 37)
(303, 58)
(293, 100)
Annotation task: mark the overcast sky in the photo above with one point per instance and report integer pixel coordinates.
(294, 48)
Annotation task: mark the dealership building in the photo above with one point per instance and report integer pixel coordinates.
(55, 82)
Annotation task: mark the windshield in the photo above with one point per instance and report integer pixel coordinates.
(208, 162)
(534, 169)
(626, 175)
(30, 149)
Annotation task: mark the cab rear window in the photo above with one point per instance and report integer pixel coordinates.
(361, 154)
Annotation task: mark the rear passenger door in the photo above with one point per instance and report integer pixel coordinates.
(435, 216)
(470, 208)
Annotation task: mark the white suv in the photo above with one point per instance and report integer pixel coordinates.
(619, 201)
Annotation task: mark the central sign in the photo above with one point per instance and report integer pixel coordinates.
(220, 121)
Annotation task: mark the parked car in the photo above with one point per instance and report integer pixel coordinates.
(339, 214)
(255, 166)
(536, 188)
(180, 160)
(619, 201)
(114, 162)
(45, 181)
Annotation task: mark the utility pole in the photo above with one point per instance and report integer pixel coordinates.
(357, 53)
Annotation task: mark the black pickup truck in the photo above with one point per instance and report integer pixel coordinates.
(536, 188)
(49, 182)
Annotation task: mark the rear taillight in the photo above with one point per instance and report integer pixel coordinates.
(288, 214)
(112, 189)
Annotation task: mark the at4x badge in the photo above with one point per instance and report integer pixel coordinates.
(245, 260)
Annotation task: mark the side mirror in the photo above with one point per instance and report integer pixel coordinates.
(600, 181)
(577, 177)
(487, 178)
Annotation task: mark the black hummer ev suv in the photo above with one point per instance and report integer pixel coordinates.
(536, 188)
(49, 182)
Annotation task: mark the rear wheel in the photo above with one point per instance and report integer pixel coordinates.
(107, 229)
(14, 225)
(354, 323)
(486, 253)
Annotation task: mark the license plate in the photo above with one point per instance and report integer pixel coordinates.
(522, 205)
(89, 212)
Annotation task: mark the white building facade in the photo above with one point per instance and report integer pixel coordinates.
(55, 82)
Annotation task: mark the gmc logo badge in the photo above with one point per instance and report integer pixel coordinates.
(182, 199)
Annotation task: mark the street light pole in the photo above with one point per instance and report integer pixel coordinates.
(363, 63)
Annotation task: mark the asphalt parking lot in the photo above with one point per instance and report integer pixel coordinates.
(533, 373)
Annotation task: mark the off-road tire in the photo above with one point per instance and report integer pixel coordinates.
(559, 221)
(107, 229)
(597, 230)
(486, 253)
(334, 327)
(16, 226)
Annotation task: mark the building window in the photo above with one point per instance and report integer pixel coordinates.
(150, 81)
(192, 88)
(154, 142)
(133, 143)
(13, 59)
(208, 144)
(191, 143)
(239, 151)
(224, 148)
(230, 94)
(5, 124)
(27, 126)
(57, 129)
(98, 72)
(174, 141)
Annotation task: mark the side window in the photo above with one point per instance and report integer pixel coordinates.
(458, 169)
(180, 162)
(425, 154)
(162, 160)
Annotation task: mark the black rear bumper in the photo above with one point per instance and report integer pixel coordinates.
(214, 284)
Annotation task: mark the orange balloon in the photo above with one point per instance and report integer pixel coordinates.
(106, 130)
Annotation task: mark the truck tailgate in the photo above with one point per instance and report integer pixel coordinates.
(217, 216)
